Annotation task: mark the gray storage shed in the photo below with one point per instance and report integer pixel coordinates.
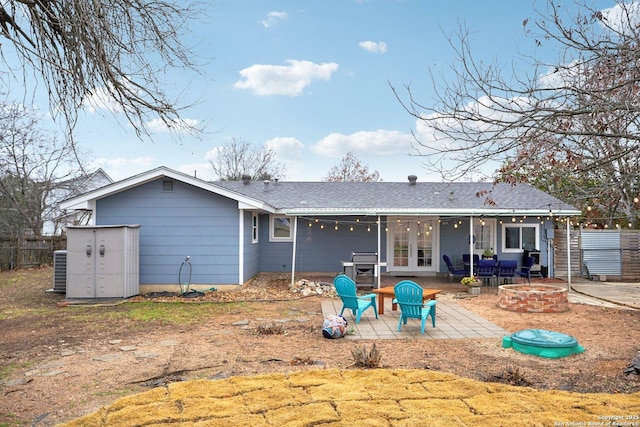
(103, 261)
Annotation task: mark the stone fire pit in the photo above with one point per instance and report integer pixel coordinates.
(533, 298)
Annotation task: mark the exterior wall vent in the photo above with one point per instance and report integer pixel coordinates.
(167, 185)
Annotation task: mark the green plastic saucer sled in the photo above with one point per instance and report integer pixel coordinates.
(539, 342)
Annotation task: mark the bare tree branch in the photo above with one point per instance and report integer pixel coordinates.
(578, 114)
(351, 168)
(239, 158)
(117, 51)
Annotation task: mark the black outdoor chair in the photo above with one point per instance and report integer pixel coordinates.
(453, 272)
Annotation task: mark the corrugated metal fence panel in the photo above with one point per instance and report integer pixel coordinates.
(601, 252)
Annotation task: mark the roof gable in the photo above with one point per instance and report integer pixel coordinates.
(85, 201)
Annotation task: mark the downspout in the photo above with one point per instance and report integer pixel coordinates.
(471, 245)
(293, 252)
(379, 253)
(568, 257)
(550, 270)
(241, 248)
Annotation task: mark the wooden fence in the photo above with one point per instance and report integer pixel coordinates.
(629, 254)
(29, 251)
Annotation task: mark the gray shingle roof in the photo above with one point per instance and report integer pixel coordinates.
(401, 197)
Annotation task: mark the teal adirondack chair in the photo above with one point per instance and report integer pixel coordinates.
(346, 290)
(409, 298)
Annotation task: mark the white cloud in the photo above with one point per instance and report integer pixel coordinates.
(212, 154)
(373, 47)
(273, 18)
(290, 152)
(373, 143)
(183, 125)
(286, 148)
(101, 99)
(121, 168)
(287, 80)
(623, 18)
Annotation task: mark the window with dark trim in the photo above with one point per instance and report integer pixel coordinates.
(520, 237)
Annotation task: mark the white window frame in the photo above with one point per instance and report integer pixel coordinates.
(254, 228)
(272, 237)
(520, 226)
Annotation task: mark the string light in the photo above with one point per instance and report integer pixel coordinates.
(425, 227)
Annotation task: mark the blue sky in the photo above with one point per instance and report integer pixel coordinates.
(310, 79)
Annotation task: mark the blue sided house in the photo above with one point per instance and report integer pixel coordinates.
(233, 230)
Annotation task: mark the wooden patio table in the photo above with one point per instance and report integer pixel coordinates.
(427, 294)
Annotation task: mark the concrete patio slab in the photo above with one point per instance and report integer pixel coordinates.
(452, 321)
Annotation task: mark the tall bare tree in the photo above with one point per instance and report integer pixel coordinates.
(350, 168)
(117, 51)
(581, 109)
(32, 166)
(239, 157)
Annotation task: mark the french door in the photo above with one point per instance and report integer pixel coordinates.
(412, 244)
(484, 235)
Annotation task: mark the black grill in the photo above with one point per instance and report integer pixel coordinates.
(364, 267)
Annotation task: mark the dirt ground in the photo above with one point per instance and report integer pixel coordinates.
(59, 362)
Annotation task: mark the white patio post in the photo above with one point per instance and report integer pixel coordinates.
(568, 257)
(379, 253)
(293, 252)
(471, 245)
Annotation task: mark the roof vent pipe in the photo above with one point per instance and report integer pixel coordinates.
(412, 179)
(246, 179)
(266, 185)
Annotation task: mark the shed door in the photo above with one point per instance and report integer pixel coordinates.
(109, 263)
(80, 263)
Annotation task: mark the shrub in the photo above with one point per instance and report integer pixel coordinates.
(366, 358)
